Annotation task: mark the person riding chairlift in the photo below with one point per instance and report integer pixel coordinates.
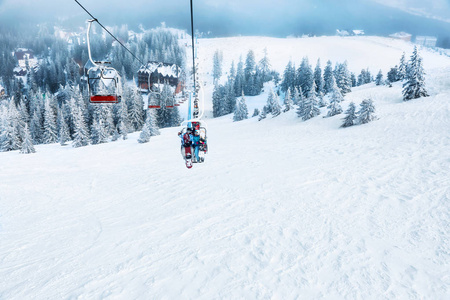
(186, 138)
(196, 144)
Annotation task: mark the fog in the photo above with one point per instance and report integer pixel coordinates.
(244, 17)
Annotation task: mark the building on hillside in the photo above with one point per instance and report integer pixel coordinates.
(427, 41)
(22, 54)
(342, 32)
(358, 32)
(19, 71)
(26, 60)
(160, 73)
(401, 36)
(345, 32)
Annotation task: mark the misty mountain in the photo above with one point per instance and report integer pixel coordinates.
(231, 18)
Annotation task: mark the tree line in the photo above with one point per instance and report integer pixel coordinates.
(50, 104)
(309, 90)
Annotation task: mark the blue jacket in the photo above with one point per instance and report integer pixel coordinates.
(195, 140)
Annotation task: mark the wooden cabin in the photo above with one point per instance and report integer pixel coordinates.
(158, 72)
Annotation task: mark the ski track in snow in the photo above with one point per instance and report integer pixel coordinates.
(282, 209)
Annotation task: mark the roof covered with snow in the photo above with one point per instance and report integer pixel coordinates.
(165, 69)
(401, 34)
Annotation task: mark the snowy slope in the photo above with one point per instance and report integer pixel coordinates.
(360, 52)
(282, 209)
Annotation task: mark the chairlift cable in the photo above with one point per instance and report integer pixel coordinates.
(96, 20)
(193, 45)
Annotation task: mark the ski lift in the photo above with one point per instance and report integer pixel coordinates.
(194, 120)
(188, 152)
(170, 102)
(103, 80)
(154, 100)
(178, 100)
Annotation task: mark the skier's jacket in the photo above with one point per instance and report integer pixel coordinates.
(186, 139)
(196, 140)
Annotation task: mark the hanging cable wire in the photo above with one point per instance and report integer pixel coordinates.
(193, 45)
(96, 20)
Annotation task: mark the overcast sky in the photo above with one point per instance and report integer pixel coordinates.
(228, 17)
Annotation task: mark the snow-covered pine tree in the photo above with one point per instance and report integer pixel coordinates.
(379, 78)
(70, 110)
(63, 132)
(264, 67)
(98, 131)
(328, 71)
(263, 113)
(218, 101)
(288, 103)
(335, 101)
(393, 75)
(9, 139)
(250, 65)
(232, 73)
(27, 144)
(343, 80)
(123, 126)
(17, 124)
(311, 106)
(116, 135)
(350, 118)
(276, 107)
(167, 117)
(296, 96)
(414, 85)
(230, 98)
(145, 135)
(146, 132)
(288, 81)
(364, 77)
(273, 106)
(402, 68)
(36, 126)
(81, 134)
(3, 128)
(50, 133)
(241, 111)
(107, 119)
(150, 120)
(24, 115)
(322, 100)
(136, 110)
(300, 102)
(18, 91)
(240, 78)
(217, 66)
(305, 76)
(318, 77)
(231, 79)
(353, 79)
(369, 77)
(366, 112)
(255, 112)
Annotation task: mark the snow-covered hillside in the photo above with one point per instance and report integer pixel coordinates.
(360, 52)
(281, 209)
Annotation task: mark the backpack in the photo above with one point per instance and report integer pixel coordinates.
(186, 139)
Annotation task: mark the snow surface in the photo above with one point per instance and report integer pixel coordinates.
(281, 209)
